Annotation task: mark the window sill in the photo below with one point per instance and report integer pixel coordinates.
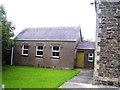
(24, 55)
(90, 61)
(55, 57)
(39, 56)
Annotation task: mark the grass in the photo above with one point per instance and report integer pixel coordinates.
(31, 77)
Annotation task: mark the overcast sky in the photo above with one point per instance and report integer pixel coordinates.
(52, 13)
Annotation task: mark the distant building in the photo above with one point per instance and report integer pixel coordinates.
(53, 47)
(107, 50)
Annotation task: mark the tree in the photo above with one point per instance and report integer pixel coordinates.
(87, 40)
(7, 33)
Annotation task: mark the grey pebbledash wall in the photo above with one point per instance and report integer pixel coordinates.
(107, 50)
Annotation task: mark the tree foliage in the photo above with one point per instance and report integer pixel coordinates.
(7, 32)
(87, 40)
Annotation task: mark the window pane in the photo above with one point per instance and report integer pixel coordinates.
(40, 47)
(25, 46)
(39, 52)
(90, 54)
(90, 58)
(55, 53)
(55, 47)
(25, 51)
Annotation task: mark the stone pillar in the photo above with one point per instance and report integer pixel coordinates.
(107, 50)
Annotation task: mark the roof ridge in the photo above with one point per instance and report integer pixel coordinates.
(58, 28)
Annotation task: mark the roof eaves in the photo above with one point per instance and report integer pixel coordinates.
(85, 48)
(73, 40)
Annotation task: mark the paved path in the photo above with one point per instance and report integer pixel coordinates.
(82, 80)
(85, 76)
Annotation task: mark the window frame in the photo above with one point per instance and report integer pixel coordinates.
(90, 57)
(39, 50)
(24, 49)
(56, 51)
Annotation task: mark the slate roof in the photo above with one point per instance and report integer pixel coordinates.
(52, 33)
(86, 45)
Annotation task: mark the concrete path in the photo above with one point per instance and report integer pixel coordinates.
(83, 80)
(85, 76)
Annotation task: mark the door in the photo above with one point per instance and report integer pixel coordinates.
(80, 60)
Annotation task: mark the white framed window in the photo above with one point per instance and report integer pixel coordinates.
(90, 57)
(25, 50)
(55, 51)
(39, 50)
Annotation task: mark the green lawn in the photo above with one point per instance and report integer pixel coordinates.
(31, 77)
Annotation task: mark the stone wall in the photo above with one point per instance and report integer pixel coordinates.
(107, 54)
